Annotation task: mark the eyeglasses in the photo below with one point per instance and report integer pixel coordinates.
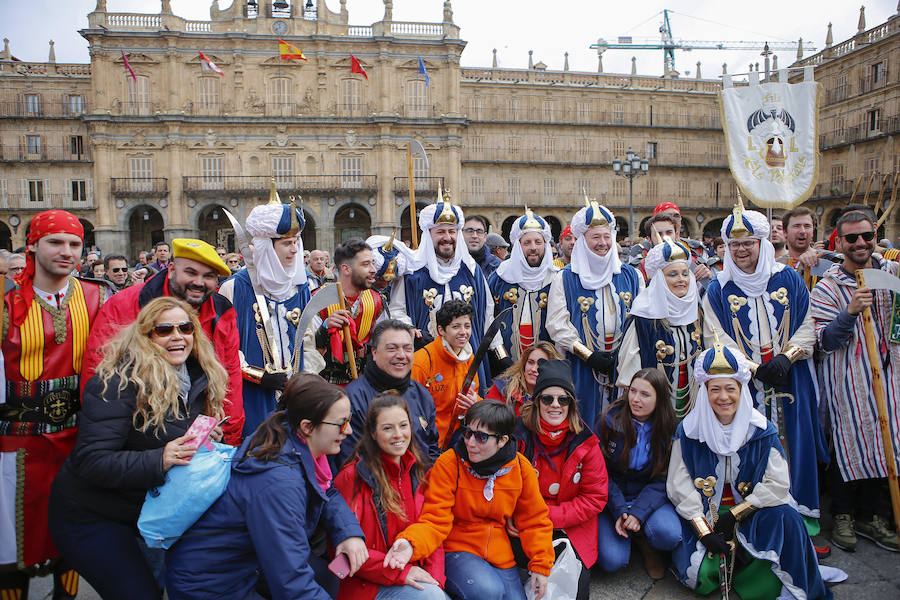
(166, 329)
(547, 399)
(119, 269)
(852, 237)
(16, 270)
(480, 436)
(343, 426)
(746, 244)
(471, 230)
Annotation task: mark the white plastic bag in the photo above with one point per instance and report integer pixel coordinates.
(563, 581)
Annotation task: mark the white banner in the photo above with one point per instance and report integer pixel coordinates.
(770, 131)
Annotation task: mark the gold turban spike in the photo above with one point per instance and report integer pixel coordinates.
(273, 193)
(738, 229)
(720, 365)
(531, 224)
(676, 250)
(295, 224)
(448, 215)
(597, 218)
(390, 243)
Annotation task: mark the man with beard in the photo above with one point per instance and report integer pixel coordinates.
(523, 282)
(192, 276)
(857, 475)
(46, 320)
(802, 256)
(760, 308)
(778, 240)
(566, 243)
(275, 230)
(356, 274)
(587, 306)
(475, 232)
(448, 271)
(388, 368)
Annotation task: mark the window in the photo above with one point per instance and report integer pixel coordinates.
(208, 99)
(652, 191)
(584, 150)
(514, 189)
(351, 102)
(837, 174)
(512, 146)
(684, 189)
(584, 112)
(477, 190)
(75, 105)
(476, 107)
(417, 98)
(513, 106)
(619, 190)
(283, 170)
(141, 172)
(619, 148)
(872, 120)
(35, 190)
(420, 173)
(33, 144)
(79, 190)
(280, 90)
(619, 113)
(684, 150)
(584, 187)
(715, 153)
(476, 145)
(876, 72)
(351, 171)
(76, 146)
(872, 165)
(211, 172)
(547, 111)
(549, 190)
(652, 150)
(138, 95)
(549, 147)
(32, 104)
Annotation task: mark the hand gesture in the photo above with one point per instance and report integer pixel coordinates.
(178, 452)
(417, 576)
(627, 523)
(398, 555)
(511, 528)
(702, 272)
(338, 319)
(810, 258)
(464, 401)
(538, 585)
(861, 299)
(356, 551)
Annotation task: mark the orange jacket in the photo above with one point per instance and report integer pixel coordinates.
(442, 374)
(457, 514)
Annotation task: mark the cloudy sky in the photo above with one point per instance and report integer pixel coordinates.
(549, 27)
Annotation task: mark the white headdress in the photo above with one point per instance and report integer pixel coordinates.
(442, 212)
(658, 301)
(594, 271)
(273, 221)
(516, 268)
(748, 224)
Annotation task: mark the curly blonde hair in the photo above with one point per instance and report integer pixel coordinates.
(515, 374)
(136, 359)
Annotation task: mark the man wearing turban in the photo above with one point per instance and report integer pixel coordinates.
(45, 329)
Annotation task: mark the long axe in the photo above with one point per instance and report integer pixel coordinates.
(876, 279)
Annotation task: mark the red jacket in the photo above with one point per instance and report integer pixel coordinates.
(219, 322)
(576, 506)
(379, 532)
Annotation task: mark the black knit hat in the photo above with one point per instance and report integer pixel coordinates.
(554, 372)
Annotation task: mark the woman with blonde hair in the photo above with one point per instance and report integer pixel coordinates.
(516, 385)
(156, 376)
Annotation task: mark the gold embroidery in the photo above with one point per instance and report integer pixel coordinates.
(467, 292)
(696, 336)
(780, 295)
(542, 302)
(663, 350)
(585, 303)
(511, 295)
(626, 298)
(736, 302)
(429, 295)
(707, 486)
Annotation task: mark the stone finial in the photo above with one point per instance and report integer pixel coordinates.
(494, 62)
(531, 59)
(829, 38)
(52, 57)
(6, 55)
(861, 24)
(599, 62)
(698, 70)
(724, 68)
(751, 67)
(634, 65)
(774, 62)
(566, 62)
(101, 6)
(166, 7)
(448, 12)
(800, 49)
(388, 10)
(757, 67)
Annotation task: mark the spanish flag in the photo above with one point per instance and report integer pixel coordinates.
(289, 52)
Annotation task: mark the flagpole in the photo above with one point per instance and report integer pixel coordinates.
(413, 226)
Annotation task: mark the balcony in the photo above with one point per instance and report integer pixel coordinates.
(44, 154)
(872, 82)
(596, 157)
(581, 116)
(425, 186)
(258, 185)
(837, 94)
(139, 187)
(47, 201)
(859, 133)
(34, 109)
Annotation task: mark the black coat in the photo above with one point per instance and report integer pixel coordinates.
(113, 464)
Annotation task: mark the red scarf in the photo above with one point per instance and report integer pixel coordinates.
(552, 436)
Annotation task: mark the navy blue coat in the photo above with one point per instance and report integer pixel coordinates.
(262, 523)
(626, 485)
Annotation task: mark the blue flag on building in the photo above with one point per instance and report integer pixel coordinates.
(424, 72)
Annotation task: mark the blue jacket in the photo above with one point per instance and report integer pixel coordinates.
(626, 485)
(262, 523)
(421, 414)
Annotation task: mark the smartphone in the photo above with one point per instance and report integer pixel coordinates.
(223, 421)
(340, 566)
(199, 431)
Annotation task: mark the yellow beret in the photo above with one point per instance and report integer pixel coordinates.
(201, 252)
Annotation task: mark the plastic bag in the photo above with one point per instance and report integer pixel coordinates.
(170, 509)
(563, 581)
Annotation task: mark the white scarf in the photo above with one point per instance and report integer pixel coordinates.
(595, 271)
(753, 284)
(440, 271)
(658, 301)
(517, 271)
(278, 282)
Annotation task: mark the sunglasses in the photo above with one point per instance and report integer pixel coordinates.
(852, 237)
(166, 329)
(480, 436)
(547, 399)
(119, 269)
(343, 426)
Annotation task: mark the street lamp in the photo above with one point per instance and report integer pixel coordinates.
(633, 166)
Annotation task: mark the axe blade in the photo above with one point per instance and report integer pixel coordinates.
(876, 279)
(416, 148)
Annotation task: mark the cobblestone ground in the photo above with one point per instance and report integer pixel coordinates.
(874, 573)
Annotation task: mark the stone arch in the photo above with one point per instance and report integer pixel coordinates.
(5, 236)
(556, 226)
(506, 227)
(146, 227)
(714, 226)
(89, 239)
(351, 220)
(214, 228)
(403, 218)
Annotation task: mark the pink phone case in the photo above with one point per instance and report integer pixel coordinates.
(340, 566)
(200, 430)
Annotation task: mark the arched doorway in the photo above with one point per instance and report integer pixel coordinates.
(309, 231)
(5, 236)
(623, 231)
(351, 220)
(506, 228)
(145, 227)
(405, 233)
(214, 228)
(685, 228)
(555, 226)
(89, 239)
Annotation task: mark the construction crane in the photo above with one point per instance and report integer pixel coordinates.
(668, 45)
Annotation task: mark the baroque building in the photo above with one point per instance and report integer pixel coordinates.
(158, 154)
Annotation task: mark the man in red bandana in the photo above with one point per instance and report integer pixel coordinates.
(566, 243)
(45, 329)
(670, 209)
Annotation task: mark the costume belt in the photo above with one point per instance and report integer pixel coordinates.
(36, 407)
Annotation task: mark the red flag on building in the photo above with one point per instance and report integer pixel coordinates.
(210, 65)
(128, 67)
(355, 67)
(289, 51)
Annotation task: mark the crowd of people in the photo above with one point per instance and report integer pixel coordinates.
(447, 420)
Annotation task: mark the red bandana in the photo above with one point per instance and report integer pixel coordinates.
(46, 223)
(666, 206)
(552, 436)
(565, 232)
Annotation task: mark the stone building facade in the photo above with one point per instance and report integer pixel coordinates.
(159, 155)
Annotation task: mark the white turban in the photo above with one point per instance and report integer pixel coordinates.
(516, 269)
(594, 271)
(265, 223)
(753, 284)
(658, 301)
(405, 257)
(442, 273)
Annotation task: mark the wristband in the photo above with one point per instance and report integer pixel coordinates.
(702, 526)
(251, 373)
(742, 510)
(500, 351)
(794, 353)
(582, 351)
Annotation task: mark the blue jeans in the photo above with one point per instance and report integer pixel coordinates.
(407, 592)
(470, 577)
(662, 529)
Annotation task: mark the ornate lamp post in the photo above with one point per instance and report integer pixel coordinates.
(633, 166)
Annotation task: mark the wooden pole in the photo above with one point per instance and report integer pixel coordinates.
(890, 207)
(348, 341)
(413, 225)
(855, 189)
(884, 184)
(869, 189)
(881, 404)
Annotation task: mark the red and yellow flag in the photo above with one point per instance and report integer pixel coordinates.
(289, 51)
